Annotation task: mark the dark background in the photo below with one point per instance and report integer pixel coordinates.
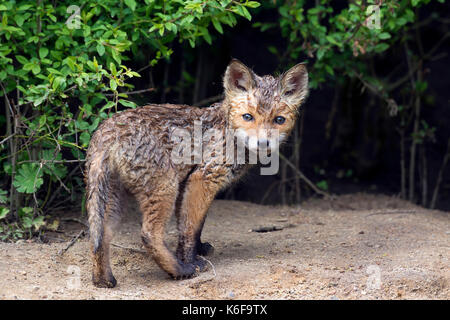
(359, 152)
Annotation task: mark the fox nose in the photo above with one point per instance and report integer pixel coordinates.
(263, 143)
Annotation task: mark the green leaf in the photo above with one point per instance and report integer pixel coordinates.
(332, 40)
(113, 84)
(29, 178)
(36, 69)
(321, 52)
(206, 35)
(70, 61)
(20, 19)
(329, 69)
(241, 10)
(22, 59)
(116, 56)
(113, 69)
(253, 4)
(381, 47)
(3, 213)
(50, 168)
(100, 49)
(131, 4)
(94, 125)
(42, 120)
(43, 52)
(322, 185)
(3, 196)
(273, 50)
(384, 36)
(25, 212)
(127, 103)
(27, 222)
(85, 137)
(38, 223)
(421, 86)
(217, 25)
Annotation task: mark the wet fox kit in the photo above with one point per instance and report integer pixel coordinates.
(131, 154)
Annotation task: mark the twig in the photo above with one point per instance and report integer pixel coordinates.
(440, 175)
(11, 129)
(71, 243)
(128, 248)
(402, 163)
(412, 160)
(59, 179)
(209, 100)
(269, 189)
(7, 138)
(267, 229)
(55, 194)
(378, 212)
(212, 266)
(304, 178)
(76, 220)
(52, 161)
(414, 68)
(282, 186)
(424, 175)
(131, 92)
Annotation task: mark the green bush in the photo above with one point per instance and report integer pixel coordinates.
(344, 46)
(335, 40)
(63, 70)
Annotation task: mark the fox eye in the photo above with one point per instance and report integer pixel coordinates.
(247, 117)
(279, 120)
(289, 93)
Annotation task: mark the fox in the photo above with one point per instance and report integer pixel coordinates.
(131, 154)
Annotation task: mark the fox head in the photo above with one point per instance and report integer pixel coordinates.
(262, 109)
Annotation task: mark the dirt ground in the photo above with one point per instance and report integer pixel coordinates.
(356, 246)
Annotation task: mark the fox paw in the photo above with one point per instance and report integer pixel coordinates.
(102, 282)
(190, 270)
(185, 271)
(200, 265)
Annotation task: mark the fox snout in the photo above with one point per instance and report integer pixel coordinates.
(264, 143)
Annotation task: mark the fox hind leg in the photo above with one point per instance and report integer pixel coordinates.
(109, 199)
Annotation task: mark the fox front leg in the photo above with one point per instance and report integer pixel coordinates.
(157, 209)
(198, 196)
(202, 248)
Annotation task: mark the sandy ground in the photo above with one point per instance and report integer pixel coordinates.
(356, 246)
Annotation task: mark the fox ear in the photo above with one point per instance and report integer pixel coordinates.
(238, 78)
(294, 85)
